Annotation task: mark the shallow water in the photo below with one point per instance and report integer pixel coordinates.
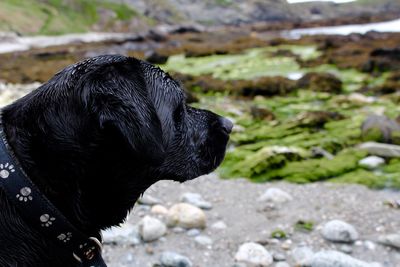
(388, 26)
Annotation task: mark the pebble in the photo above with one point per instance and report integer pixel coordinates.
(382, 150)
(360, 98)
(282, 264)
(279, 256)
(370, 245)
(196, 200)
(253, 253)
(193, 232)
(302, 256)
(371, 162)
(149, 200)
(339, 231)
(126, 234)
(151, 229)
(275, 195)
(287, 244)
(337, 259)
(203, 240)
(346, 249)
(220, 225)
(172, 259)
(186, 216)
(159, 209)
(392, 240)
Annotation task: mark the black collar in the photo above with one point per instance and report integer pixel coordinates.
(36, 209)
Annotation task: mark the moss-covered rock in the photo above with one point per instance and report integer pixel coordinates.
(321, 82)
(381, 129)
(271, 157)
(370, 179)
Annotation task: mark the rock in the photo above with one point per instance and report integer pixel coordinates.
(203, 240)
(318, 152)
(261, 113)
(193, 232)
(156, 57)
(392, 240)
(302, 256)
(279, 256)
(369, 245)
(186, 216)
(287, 244)
(382, 150)
(172, 259)
(159, 209)
(253, 253)
(126, 234)
(380, 129)
(220, 225)
(275, 195)
(317, 118)
(151, 229)
(148, 200)
(371, 162)
(282, 264)
(321, 82)
(196, 200)
(339, 231)
(337, 259)
(346, 249)
(361, 99)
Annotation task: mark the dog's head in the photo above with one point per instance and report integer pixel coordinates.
(109, 127)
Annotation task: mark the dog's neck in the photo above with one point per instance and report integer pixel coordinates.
(80, 178)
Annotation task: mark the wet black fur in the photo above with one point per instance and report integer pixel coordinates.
(93, 138)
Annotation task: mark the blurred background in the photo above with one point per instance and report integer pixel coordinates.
(312, 173)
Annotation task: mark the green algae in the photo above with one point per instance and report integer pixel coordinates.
(251, 64)
(370, 179)
(252, 155)
(305, 226)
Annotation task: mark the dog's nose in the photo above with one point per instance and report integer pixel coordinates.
(226, 125)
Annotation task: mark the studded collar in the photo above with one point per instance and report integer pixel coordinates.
(38, 211)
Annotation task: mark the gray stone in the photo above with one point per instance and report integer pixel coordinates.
(193, 232)
(253, 253)
(369, 245)
(203, 240)
(220, 225)
(392, 240)
(149, 200)
(337, 259)
(371, 162)
(282, 264)
(346, 249)
(126, 234)
(279, 256)
(302, 256)
(151, 229)
(275, 195)
(381, 149)
(172, 259)
(339, 231)
(196, 200)
(186, 216)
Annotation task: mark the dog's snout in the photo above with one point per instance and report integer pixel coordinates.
(226, 125)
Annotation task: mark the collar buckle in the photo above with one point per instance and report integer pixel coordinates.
(88, 250)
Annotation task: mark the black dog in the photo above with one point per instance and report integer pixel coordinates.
(92, 139)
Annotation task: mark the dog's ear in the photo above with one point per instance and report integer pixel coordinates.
(120, 101)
